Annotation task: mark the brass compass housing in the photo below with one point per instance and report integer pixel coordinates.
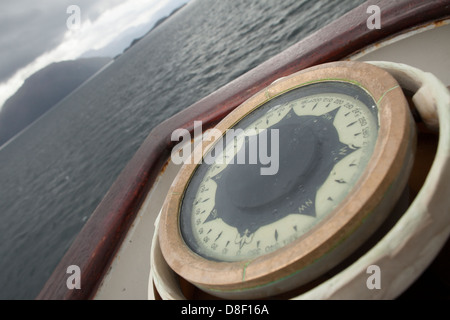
(341, 141)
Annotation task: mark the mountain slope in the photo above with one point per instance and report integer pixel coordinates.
(43, 90)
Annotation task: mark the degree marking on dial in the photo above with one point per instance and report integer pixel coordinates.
(220, 234)
(239, 244)
(245, 239)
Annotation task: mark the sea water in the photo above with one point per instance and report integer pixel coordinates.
(54, 174)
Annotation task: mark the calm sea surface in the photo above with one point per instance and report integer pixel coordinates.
(54, 174)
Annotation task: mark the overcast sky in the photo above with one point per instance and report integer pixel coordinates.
(34, 34)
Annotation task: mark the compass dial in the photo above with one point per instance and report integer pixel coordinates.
(292, 183)
(319, 144)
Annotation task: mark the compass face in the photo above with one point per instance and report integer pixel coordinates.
(281, 170)
(291, 183)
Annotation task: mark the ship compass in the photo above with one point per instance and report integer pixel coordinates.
(302, 174)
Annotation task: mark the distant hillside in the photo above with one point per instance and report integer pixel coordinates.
(43, 90)
(157, 24)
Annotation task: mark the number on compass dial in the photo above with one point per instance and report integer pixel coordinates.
(237, 213)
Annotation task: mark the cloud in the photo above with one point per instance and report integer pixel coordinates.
(101, 22)
(30, 28)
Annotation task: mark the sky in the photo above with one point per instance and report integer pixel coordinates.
(34, 34)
